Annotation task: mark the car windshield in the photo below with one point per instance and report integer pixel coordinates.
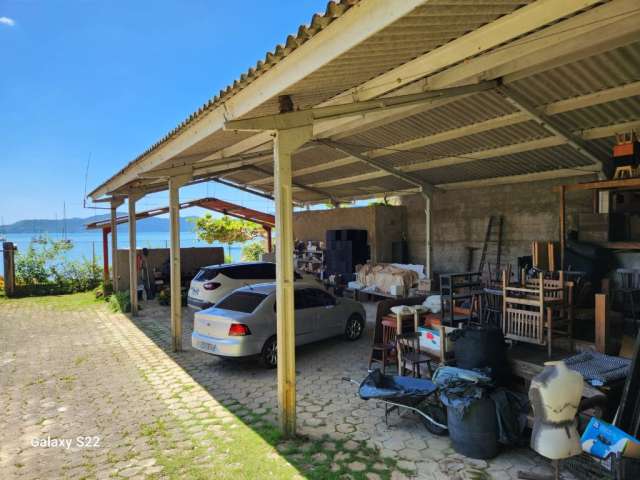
(244, 302)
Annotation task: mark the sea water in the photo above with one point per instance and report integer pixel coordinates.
(88, 245)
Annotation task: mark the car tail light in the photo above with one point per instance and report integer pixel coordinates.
(238, 330)
(211, 285)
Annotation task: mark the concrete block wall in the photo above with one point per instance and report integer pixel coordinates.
(529, 210)
(384, 224)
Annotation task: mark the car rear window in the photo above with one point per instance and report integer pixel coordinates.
(244, 302)
(206, 274)
(251, 271)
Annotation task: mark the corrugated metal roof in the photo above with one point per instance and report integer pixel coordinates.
(436, 23)
(427, 27)
(526, 162)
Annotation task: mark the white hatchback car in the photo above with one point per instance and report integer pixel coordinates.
(243, 323)
(215, 282)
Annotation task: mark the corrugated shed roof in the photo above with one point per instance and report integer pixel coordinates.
(435, 23)
(427, 27)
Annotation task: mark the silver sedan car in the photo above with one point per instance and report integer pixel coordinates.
(243, 323)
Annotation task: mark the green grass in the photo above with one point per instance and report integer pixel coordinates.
(73, 301)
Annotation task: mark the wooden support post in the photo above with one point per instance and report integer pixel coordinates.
(105, 256)
(562, 226)
(269, 240)
(114, 244)
(286, 142)
(175, 269)
(133, 263)
(602, 322)
(8, 255)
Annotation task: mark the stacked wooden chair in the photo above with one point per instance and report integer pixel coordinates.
(538, 311)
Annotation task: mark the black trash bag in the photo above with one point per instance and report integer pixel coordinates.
(511, 412)
(478, 347)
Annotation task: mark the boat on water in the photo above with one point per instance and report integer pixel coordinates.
(39, 239)
(65, 240)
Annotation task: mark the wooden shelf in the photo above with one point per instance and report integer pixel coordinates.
(624, 183)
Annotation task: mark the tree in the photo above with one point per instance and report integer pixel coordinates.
(252, 252)
(225, 230)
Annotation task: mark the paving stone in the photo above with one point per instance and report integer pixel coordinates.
(357, 466)
(129, 472)
(130, 379)
(351, 445)
(319, 457)
(341, 456)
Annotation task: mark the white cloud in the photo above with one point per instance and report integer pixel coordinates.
(7, 21)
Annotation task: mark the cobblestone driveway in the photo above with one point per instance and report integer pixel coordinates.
(91, 373)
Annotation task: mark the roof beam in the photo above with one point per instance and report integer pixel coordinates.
(302, 186)
(450, 161)
(591, 99)
(525, 178)
(227, 183)
(523, 104)
(606, 25)
(413, 180)
(610, 130)
(546, 142)
(527, 146)
(312, 115)
(560, 106)
(505, 29)
(447, 135)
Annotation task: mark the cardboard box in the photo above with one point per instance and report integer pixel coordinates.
(602, 439)
(424, 285)
(430, 338)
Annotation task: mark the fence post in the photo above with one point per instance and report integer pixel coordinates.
(8, 250)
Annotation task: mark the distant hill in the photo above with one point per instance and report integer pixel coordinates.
(76, 225)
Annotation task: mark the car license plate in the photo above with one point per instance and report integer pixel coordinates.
(210, 347)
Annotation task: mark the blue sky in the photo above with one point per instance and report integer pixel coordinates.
(106, 79)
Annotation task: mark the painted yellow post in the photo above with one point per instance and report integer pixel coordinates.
(133, 267)
(286, 142)
(176, 293)
(114, 243)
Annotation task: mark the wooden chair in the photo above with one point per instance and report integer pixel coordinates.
(494, 277)
(383, 341)
(411, 357)
(537, 312)
(491, 307)
(383, 346)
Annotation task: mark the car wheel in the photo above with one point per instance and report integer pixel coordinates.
(355, 327)
(269, 355)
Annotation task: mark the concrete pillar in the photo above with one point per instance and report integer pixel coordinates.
(427, 238)
(286, 142)
(175, 270)
(133, 264)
